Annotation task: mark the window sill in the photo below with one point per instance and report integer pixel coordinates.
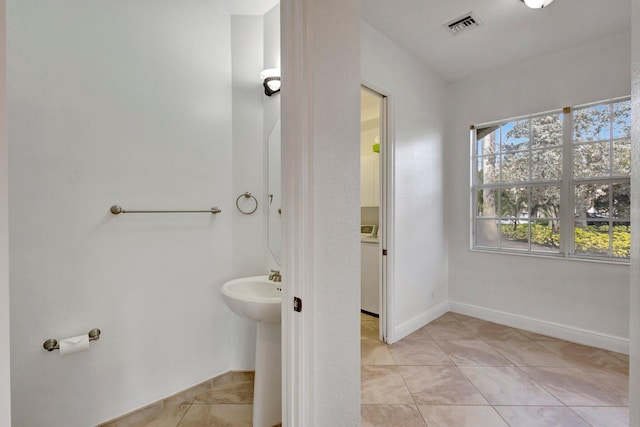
(621, 262)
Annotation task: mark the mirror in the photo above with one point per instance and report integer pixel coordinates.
(274, 201)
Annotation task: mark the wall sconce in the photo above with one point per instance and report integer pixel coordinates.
(271, 81)
(537, 4)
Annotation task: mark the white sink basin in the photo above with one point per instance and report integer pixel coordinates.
(256, 298)
(260, 299)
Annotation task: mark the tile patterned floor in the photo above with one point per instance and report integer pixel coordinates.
(465, 372)
(456, 371)
(223, 401)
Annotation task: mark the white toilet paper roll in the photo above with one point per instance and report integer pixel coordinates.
(74, 344)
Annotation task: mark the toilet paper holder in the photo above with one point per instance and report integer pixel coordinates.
(52, 344)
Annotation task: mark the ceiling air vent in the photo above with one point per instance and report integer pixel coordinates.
(464, 23)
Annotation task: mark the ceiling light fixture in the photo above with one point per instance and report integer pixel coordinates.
(537, 4)
(271, 81)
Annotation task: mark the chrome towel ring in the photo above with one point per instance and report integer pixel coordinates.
(247, 195)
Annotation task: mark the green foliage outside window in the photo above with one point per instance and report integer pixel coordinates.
(540, 234)
(592, 239)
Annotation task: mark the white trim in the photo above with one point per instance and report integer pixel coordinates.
(297, 232)
(611, 261)
(388, 216)
(410, 326)
(551, 329)
(554, 111)
(5, 368)
(387, 206)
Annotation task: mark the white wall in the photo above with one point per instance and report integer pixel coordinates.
(584, 295)
(271, 112)
(248, 157)
(634, 298)
(255, 45)
(417, 98)
(5, 385)
(128, 103)
(321, 46)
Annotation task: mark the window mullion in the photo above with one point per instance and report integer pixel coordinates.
(499, 190)
(611, 125)
(567, 195)
(610, 191)
(473, 183)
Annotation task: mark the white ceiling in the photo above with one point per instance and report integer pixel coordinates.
(510, 31)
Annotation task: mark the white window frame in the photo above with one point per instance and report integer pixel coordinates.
(567, 183)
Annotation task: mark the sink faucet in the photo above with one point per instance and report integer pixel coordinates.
(275, 276)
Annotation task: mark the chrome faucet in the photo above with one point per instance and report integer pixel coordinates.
(275, 276)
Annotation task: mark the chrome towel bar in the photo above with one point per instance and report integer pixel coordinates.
(52, 344)
(115, 209)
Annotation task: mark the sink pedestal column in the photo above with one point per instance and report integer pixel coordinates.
(267, 389)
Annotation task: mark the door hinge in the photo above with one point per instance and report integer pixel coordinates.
(384, 252)
(297, 304)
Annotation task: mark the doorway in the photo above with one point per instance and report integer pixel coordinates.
(373, 208)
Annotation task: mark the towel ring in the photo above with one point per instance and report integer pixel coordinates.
(247, 195)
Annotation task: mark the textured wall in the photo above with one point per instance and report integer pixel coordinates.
(128, 103)
(417, 122)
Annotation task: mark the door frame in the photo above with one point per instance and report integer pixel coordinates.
(386, 214)
(308, 110)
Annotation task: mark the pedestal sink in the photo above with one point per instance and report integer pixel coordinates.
(258, 298)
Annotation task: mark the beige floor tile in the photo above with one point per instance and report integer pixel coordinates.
(527, 353)
(620, 356)
(493, 331)
(369, 329)
(238, 391)
(540, 416)
(473, 353)
(169, 411)
(419, 352)
(383, 385)
(587, 356)
(419, 335)
(152, 416)
(445, 385)
(461, 416)
(223, 415)
(391, 416)
(604, 416)
(449, 331)
(375, 352)
(508, 386)
(583, 386)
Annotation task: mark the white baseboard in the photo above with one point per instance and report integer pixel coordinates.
(417, 322)
(551, 329)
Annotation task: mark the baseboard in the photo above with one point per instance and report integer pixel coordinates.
(417, 322)
(551, 329)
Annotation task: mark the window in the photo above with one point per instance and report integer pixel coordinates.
(569, 167)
